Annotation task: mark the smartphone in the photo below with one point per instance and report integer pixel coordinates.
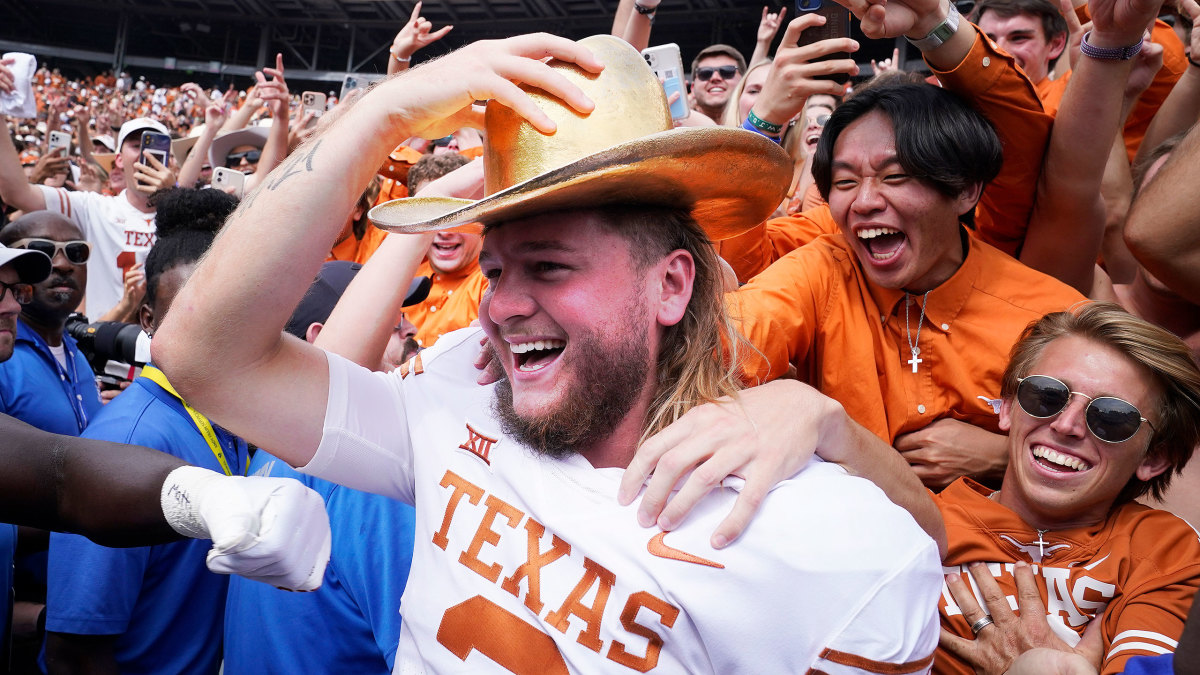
(154, 143)
(61, 139)
(223, 179)
(354, 81)
(837, 25)
(667, 65)
(314, 102)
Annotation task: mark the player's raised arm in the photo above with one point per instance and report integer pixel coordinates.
(221, 346)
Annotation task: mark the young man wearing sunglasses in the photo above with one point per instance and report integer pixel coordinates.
(1101, 408)
(48, 382)
(716, 71)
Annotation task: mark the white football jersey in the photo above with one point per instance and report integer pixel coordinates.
(526, 564)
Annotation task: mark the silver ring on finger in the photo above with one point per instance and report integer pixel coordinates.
(981, 624)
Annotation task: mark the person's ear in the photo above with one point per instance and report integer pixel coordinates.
(1006, 414)
(969, 197)
(314, 329)
(1057, 44)
(1152, 465)
(146, 319)
(677, 274)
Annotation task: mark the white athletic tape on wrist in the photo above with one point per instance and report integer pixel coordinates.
(181, 496)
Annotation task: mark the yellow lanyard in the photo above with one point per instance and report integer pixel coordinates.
(206, 428)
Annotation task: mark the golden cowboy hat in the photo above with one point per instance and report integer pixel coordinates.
(624, 152)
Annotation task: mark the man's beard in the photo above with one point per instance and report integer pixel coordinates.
(605, 383)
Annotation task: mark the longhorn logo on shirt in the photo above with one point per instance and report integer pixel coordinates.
(478, 445)
(1036, 550)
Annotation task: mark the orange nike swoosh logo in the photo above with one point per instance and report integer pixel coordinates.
(656, 547)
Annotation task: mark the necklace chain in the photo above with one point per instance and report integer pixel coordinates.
(914, 346)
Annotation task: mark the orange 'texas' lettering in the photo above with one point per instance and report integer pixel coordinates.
(531, 569)
(140, 239)
(486, 535)
(593, 573)
(667, 614)
(461, 487)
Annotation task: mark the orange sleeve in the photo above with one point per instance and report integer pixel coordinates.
(991, 81)
(751, 253)
(1173, 67)
(777, 312)
(1164, 576)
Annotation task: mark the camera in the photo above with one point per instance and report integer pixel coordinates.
(105, 341)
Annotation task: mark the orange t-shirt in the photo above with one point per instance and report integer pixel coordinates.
(1141, 566)
(453, 302)
(816, 309)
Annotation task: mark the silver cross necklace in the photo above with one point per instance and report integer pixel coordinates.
(914, 346)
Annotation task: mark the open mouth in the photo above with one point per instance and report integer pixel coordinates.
(883, 243)
(1057, 461)
(530, 357)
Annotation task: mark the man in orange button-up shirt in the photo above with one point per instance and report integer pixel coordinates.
(904, 316)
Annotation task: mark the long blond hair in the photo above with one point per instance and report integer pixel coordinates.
(698, 356)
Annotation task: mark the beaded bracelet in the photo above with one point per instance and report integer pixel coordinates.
(1108, 53)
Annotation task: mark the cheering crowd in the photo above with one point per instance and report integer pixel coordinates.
(790, 367)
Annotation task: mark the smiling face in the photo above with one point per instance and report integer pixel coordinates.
(575, 325)
(452, 251)
(1023, 36)
(817, 110)
(903, 231)
(711, 94)
(1059, 474)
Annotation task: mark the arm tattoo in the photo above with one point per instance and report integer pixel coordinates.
(293, 167)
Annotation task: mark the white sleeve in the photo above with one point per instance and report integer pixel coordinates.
(365, 444)
(69, 204)
(896, 628)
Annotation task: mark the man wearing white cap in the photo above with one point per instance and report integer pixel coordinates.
(604, 310)
(120, 228)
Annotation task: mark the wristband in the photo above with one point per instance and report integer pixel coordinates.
(750, 127)
(762, 125)
(1194, 63)
(397, 57)
(642, 9)
(1108, 53)
(940, 33)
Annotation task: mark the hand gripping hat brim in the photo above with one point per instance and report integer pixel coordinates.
(624, 152)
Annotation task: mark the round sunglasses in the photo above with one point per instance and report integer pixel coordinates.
(77, 251)
(1110, 419)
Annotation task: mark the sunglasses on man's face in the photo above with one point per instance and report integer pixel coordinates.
(1110, 419)
(77, 251)
(705, 73)
(22, 293)
(251, 156)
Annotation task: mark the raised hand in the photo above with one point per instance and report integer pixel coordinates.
(792, 77)
(442, 100)
(273, 92)
(416, 35)
(769, 25)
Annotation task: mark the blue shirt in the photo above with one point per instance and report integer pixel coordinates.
(349, 625)
(162, 601)
(36, 389)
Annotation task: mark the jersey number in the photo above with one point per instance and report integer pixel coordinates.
(125, 260)
(481, 625)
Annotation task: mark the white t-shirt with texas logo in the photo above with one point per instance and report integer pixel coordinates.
(526, 564)
(120, 235)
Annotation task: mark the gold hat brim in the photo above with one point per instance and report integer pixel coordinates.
(729, 179)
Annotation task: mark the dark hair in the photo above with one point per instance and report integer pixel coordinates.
(1053, 23)
(1176, 417)
(187, 221)
(940, 140)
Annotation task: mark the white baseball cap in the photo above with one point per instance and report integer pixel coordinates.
(31, 266)
(137, 125)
